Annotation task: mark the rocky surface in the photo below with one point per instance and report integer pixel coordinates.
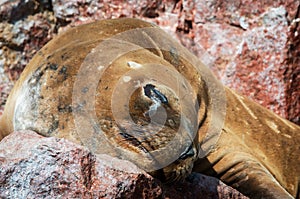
(56, 168)
(251, 46)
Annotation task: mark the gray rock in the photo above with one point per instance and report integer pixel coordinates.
(36, 167)
(32, 166)
(254, 51)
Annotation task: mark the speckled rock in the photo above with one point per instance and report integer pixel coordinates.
(255, 51)
(51, 168)
(5, 87)
(15, 10)
(292, 72)
(247, 50)
(25, 26)
(252, 50)
(56, 168)
(22, 39)
(198, 186)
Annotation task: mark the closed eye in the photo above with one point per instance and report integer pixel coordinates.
(154, 94)
(189, 152)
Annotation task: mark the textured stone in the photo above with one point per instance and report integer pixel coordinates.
(252, 50)
(37, 167)
(246, 49)
(15, 10)
(25, 26)
(251, 46)
(199, 186)
(292, 72)
(19, 41)
(32, 166)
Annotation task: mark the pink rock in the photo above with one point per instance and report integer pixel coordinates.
(292, 72)
(246, 49)
(32, 166)
(36, 167)
(199, 186)
(251, 46)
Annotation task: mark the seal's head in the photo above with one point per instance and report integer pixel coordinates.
(143, 115)
(160, 132)
(144, 101)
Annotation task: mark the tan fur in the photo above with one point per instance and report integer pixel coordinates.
(257, 152)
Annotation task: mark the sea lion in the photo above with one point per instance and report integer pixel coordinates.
(125, 88)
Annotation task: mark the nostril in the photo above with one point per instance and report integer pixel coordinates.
(189, 152)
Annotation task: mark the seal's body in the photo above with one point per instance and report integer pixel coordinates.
(257, 152)
(124, 88)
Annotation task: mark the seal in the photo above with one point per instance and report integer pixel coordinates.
(123, 87)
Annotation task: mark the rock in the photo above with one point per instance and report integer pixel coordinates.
(20, 40)
(25, 26)
(15, 10)
(247, 50)
(292, 72)
(199, 186)
(32, 166)
(5, 87)
(36, 167)
(253, 51)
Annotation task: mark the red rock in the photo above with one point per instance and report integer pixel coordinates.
(292, 72)
(250, 45)
(22, 40)
(14, 10)
(36, 167)
(199, 186)
(32, 166)
(21, 36)
(251, 50)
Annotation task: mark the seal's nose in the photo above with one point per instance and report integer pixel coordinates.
(189, 152)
